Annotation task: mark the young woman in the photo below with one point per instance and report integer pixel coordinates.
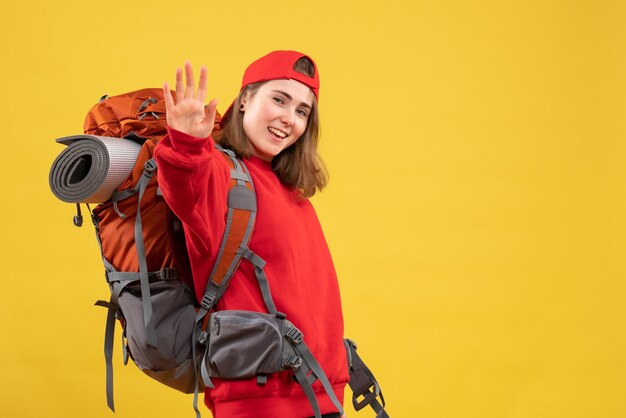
(273, 126)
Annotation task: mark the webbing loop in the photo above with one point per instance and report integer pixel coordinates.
(363, 383)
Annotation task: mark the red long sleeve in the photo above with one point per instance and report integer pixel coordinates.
(193, 178)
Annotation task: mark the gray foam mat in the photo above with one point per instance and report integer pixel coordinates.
(91, 167)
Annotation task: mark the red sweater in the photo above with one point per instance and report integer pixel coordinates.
(193, 178)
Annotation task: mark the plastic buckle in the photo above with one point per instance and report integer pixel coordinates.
(294, 335)
(150, 166)
(368, 396)
(293, 362)
(208, 300)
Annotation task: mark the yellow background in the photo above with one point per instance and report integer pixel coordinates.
(475, 210)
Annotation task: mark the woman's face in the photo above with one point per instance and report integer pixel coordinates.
(276, 116)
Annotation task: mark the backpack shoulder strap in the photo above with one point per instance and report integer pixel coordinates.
(240, 221)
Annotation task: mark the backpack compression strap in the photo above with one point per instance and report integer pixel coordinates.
(363, 383)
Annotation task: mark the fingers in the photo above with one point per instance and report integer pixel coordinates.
(209, 112)
(190, 90)
(212, 106)
(179, 86)
(202, 85)
(167, 95)
(187, 89)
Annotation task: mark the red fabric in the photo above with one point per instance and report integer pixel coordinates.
(279, 65)
(193, 177)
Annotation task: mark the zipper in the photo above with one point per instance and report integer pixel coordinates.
(216, 324)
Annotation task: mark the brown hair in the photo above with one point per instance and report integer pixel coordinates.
(299, 166)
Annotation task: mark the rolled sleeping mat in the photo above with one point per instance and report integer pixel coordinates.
(91, 167)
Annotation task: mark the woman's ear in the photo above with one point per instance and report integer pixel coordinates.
(243, 103)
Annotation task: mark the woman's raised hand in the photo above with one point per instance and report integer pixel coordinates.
(188, 114)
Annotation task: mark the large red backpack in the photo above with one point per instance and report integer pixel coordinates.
(139, 116)
(165, 331)
(141, 241)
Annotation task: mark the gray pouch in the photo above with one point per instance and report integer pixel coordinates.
(243, 344)
(174, 318)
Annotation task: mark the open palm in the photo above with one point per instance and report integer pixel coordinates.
(188, 113)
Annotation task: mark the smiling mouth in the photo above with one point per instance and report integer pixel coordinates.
(277, 133)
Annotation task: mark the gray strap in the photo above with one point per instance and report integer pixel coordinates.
(124, 194)
(294, 336)
(122, 276)
(201, 337)
(206, 378)
(256, 261)
(109, 332)
(243, 198)
(130, 276)
(315, 368)
(194, 337)
(239, 175)
(121, 195)
(308, 391)
(258, 264)
(148, 172)
(195, 399)
(225, 150)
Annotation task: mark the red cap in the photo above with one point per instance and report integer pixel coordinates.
(279, 65)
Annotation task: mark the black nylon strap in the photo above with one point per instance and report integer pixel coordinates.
(363, 383)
